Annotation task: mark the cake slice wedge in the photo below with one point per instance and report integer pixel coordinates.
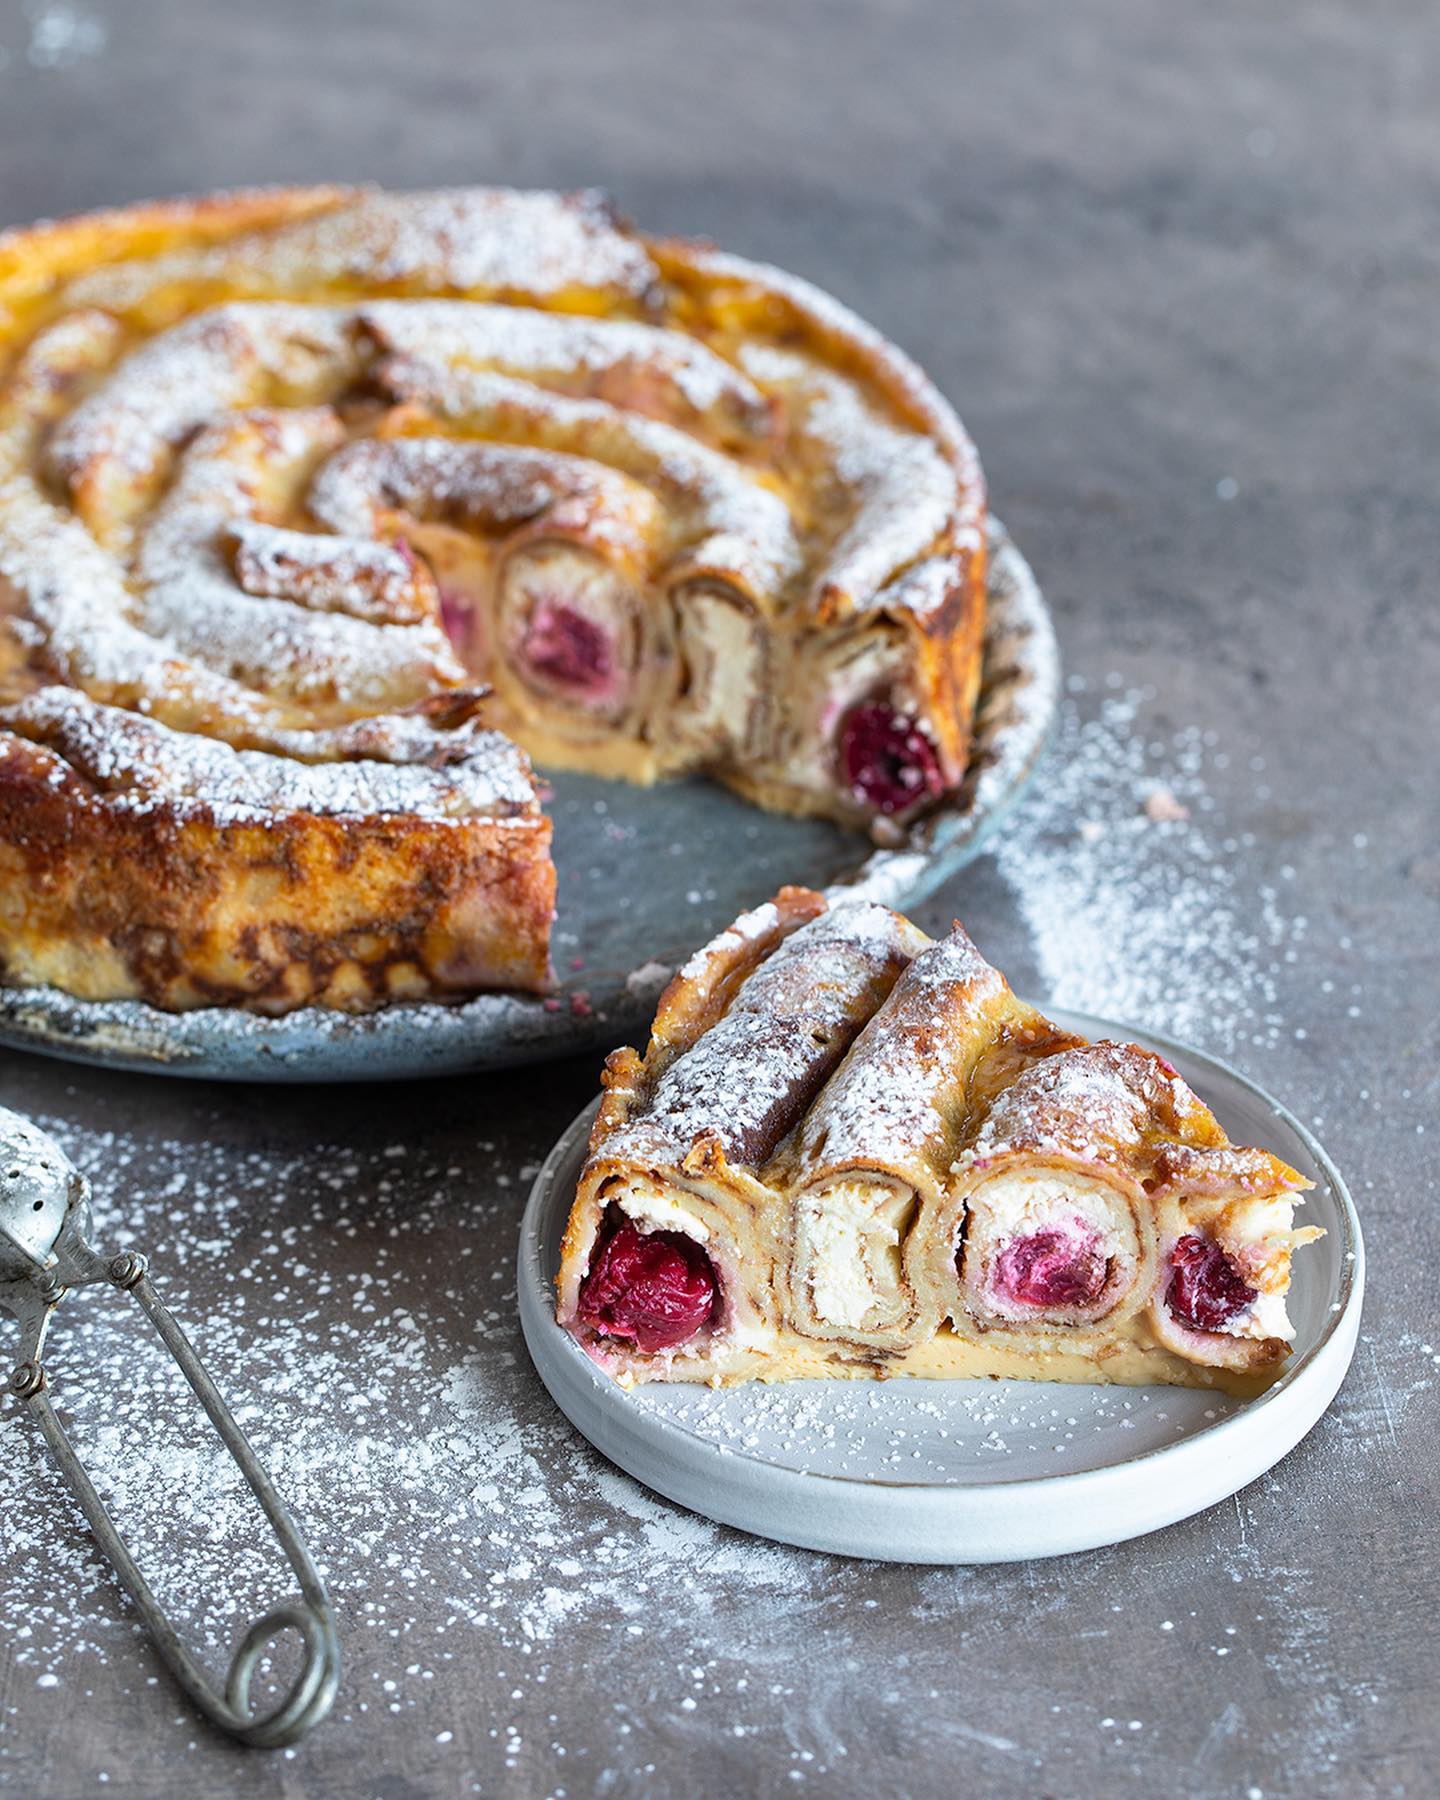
(851, 1150)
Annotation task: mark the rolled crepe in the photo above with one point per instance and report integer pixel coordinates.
(724, 559)
(722, 706)
(638, 368)
(670, 1257)
(381, 583)
(1225, 1223)
(1048, 1227)
(873, 713)
(872, 1160)
(876, 715)
(111, 453)
(140, 607)
(1100, 1200)
(191, 594)
(561, 547)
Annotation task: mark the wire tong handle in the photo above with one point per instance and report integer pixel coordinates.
(44, 1218)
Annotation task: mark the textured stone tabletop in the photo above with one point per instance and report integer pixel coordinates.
(1179, 270)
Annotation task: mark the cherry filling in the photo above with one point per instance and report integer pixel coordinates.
(1206, 1289)
(1052, 1268)
(455, 617)
(888, 761)
(656, 1288)
(568, 647)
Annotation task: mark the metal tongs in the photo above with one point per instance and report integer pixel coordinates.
(44, 1220)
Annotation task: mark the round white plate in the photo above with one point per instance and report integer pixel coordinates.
(965, 1471)
(645, 875)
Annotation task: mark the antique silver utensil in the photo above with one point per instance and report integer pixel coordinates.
(44, 1222)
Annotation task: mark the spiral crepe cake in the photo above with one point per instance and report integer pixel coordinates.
(288, 480)
(851, 1150)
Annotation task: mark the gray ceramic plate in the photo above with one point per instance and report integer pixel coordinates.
(965, 1471)
(645, 875)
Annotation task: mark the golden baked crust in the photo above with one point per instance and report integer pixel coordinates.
(850, 1150)
(279, 467)
(134, 862)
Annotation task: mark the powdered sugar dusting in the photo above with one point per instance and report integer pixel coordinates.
(355, 575)
(728, 523)
(401, 1422)
(190, 600)
(489, 485)
(902, 491)
(836, 321)
(593, 355)
(222, 358)
(880, 1106)
(481, 240)
(136, 765)
(750, 1075)
(1139, 921)
(746, 929)
(1098, 1102)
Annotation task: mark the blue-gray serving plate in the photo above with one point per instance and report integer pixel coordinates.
(646, 874)
(966, 1471)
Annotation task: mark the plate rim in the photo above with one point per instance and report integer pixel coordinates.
(415, 1040)
(1314, 1367)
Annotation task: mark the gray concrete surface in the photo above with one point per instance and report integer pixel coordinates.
(1178, 268)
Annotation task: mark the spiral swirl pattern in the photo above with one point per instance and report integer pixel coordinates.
(286, 477)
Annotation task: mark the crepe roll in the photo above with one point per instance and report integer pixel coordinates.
(1055, 1236)
(561, 550)
(873, 1156)
(1227, 1233)
(673, 1242)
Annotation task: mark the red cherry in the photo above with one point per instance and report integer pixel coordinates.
(657, 1289)
(1052, 1268)
(888, 761)
(1206, 1288)
(568, 647)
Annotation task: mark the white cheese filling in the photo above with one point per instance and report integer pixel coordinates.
(848, 1247)
(652, 1206)
(722, 653)
(1265, 1317)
